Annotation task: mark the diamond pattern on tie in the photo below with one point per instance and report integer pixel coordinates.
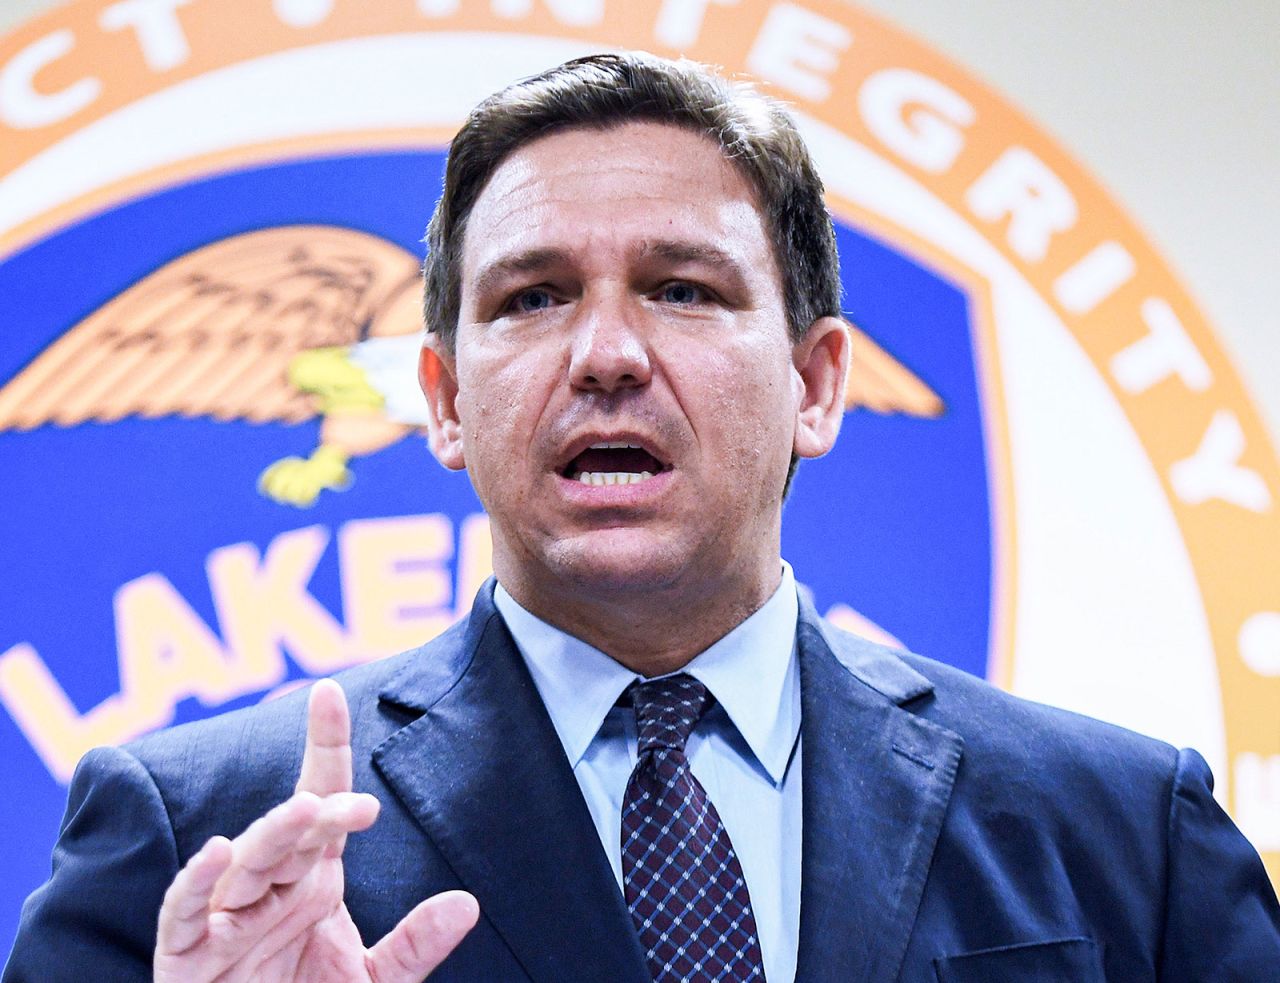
(682, 880)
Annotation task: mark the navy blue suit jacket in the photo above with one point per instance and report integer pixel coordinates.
(951, 832)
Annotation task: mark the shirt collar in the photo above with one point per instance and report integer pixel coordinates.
(752, 672)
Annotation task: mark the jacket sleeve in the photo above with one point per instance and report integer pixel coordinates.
(1222, 918)
(95, 918)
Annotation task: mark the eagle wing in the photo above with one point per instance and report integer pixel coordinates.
(212, 332)
(879, 382)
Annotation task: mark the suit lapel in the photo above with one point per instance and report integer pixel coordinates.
(877, 779)
(482, 770)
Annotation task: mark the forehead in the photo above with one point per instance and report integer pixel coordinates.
(602, 193)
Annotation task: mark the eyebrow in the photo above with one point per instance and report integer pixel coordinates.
(519, 264)
(704, 254)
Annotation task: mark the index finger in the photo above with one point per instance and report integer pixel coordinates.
(326, 759)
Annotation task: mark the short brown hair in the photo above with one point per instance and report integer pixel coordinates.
(606, 90)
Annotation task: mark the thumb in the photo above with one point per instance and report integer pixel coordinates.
(423, 938)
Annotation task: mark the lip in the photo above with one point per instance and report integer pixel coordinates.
(637, 495)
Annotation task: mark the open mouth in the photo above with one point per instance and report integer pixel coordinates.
(614, 462)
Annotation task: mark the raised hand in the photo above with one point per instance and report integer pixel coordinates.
(268, 905)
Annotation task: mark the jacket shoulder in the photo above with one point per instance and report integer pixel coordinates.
(988, 718)
(991, 719)
(1016, 752)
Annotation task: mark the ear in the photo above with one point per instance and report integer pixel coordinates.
(821, 362)
(438, 376)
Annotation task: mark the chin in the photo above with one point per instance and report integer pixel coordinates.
(604, 563)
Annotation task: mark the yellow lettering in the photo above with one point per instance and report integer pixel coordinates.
(475, 559)
(395, 582)
(264, 605)
(57, 731)
(396, 586)
(166, 652)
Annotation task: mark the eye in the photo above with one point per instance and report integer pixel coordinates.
(682, 293)
(530, 301)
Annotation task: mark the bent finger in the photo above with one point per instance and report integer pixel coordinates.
(423, 939)
(184, 913)
(341, 815)
(326, 758)
(262, 846)
(287, 842)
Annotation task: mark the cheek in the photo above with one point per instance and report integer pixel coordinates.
(747, 418)
(500, 402)
(489, 414)
(762, 393)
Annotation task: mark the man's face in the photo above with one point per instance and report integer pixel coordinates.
(623, 391)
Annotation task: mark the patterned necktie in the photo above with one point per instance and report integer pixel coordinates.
(683, 883)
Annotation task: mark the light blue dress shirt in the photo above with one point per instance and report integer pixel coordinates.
(745, 751)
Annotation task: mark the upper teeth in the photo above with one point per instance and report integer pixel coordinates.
(613, 477)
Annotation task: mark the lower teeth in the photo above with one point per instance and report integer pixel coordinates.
(613, 477)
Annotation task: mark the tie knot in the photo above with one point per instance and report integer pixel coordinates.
(666, 710)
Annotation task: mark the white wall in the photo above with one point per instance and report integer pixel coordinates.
(1170, 103)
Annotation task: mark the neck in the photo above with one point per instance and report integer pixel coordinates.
(652, 632)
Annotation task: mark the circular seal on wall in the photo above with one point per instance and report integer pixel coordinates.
(210, 227)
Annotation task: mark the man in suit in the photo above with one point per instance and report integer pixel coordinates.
(634, 333)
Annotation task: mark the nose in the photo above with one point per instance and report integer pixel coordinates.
(610, 351)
